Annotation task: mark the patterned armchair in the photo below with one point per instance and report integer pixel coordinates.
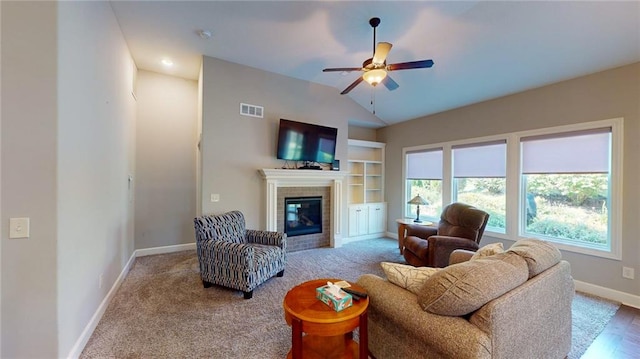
(235, 257)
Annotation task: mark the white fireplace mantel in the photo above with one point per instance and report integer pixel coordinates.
(275, 178)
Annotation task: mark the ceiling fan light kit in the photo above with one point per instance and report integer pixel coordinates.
(375, 68)
(375, 76)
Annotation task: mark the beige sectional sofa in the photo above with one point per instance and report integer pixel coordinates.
(516, 304)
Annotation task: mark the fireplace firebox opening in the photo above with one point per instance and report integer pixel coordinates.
(302, 215)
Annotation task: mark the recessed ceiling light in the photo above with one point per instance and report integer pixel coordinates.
(167, 62)
(204, 34)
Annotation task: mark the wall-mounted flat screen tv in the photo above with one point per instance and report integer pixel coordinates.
(299, 141)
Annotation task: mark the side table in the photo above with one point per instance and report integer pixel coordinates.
(328, 334)
(402, 229)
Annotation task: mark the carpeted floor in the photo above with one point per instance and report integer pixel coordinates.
(162, 311)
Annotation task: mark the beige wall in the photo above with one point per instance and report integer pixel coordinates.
(29, 124)
(604, 95)
(234, 147)
(67, 150)
(362, 133)
(95, 136)
(166, 145)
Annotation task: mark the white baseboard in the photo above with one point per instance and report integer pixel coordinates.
(363, 237)
(611, 294)
(95, 319)
(165, 249)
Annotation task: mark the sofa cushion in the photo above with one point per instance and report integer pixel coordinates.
(462, 288)
(488, 250)
(539, 255)
(408, 277)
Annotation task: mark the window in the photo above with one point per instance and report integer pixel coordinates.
(479, 179)
(561, 184)
(424, 178)
(566, 190)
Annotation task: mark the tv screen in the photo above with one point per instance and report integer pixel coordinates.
(299, 141)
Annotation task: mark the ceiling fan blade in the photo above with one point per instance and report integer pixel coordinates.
(342, 69)
(354, 84)
(410, 65)
(382, 50)
(389, 83)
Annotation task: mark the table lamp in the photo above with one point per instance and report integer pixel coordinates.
(417, 200)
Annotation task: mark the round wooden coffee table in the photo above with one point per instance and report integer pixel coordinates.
(328, 334)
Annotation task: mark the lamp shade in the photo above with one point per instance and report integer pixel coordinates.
(418, 200)
(375, 76)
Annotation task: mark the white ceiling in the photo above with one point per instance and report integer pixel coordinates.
(481, 49)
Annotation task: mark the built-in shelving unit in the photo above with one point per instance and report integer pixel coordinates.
(367, 209)
(366, 171)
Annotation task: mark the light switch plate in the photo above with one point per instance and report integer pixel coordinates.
(18, 227)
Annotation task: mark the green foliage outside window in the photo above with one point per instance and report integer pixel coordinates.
(566, 206)
(431, 191)
(491, 203)
(570, 206)
(576, 190)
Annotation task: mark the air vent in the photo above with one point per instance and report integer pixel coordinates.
(251, 110)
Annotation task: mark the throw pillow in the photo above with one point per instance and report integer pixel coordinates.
(465, 287)
(406, 276)
(539, 255)
(488, 250)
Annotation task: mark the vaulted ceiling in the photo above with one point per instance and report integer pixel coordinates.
(481, 49)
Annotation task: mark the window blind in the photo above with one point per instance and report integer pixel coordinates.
(480, 160)
(425, 164)
(573, 152)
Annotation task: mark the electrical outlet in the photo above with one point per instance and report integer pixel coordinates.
(215, 197)
(100, 282)
(628, 272)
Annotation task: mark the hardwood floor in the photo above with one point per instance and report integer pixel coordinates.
(620, 339)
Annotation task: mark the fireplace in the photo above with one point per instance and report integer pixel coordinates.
(321, 237)
(302, 215)
(280, 184)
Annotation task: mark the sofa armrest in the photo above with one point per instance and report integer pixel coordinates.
(460, 255)
(534, 319)
(423, 232)
(396, 307)
(270, 238)
(440, 248)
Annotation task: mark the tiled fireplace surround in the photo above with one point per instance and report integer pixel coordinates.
(306, 241)
(306, 183)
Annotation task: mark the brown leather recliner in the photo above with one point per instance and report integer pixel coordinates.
(461, 227)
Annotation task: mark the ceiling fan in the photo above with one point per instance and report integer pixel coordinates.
(376, 68)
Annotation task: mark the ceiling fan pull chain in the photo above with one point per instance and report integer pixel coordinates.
(373, 100)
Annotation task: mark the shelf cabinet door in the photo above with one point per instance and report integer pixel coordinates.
(358, 220)
(377, 217)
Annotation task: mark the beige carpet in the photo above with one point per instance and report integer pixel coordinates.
(162, 311)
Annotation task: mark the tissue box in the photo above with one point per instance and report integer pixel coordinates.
(334, 302)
